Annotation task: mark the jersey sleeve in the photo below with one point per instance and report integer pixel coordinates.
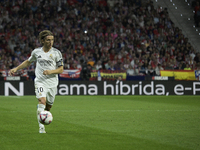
(59, 59)
(32, 57)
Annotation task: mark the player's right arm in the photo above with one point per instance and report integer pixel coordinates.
(25, 64)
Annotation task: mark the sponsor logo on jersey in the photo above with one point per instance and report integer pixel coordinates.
(44, 62)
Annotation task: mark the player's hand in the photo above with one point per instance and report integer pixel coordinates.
(12, 71)
(47, 72)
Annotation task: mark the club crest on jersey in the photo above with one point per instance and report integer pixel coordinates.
(51, 56)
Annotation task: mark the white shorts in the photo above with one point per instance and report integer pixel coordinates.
(49, 93)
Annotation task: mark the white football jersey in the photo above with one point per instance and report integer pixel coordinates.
(50, 60)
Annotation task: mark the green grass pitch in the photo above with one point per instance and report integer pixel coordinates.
(103, 123)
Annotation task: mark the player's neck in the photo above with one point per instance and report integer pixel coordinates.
(46, 49)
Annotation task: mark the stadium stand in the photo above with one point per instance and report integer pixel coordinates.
(130, 35)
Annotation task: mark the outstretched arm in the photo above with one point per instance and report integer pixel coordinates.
(56, 71)
(25, 64)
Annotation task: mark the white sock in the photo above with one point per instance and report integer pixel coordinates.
(40, 108)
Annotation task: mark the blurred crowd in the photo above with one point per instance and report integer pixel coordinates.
(125, 35)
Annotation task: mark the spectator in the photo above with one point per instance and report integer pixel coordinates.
(150, 71)
(112, 68)
(145, 65)
(98, 65)
(85, 72)
(179, 67)
(108, 64)
(122, 68)
(158, 68)
(187, 67)
(169, 66)
(90, 62)
(117, 66)
(132, 71)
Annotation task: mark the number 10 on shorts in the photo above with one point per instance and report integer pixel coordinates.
(40, 89)
(40, 92)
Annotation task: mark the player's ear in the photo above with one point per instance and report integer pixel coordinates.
(42, 41)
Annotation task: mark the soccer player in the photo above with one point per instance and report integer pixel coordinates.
(49, 64)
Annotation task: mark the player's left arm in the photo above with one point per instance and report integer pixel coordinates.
(56, 71)
(59, 64)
